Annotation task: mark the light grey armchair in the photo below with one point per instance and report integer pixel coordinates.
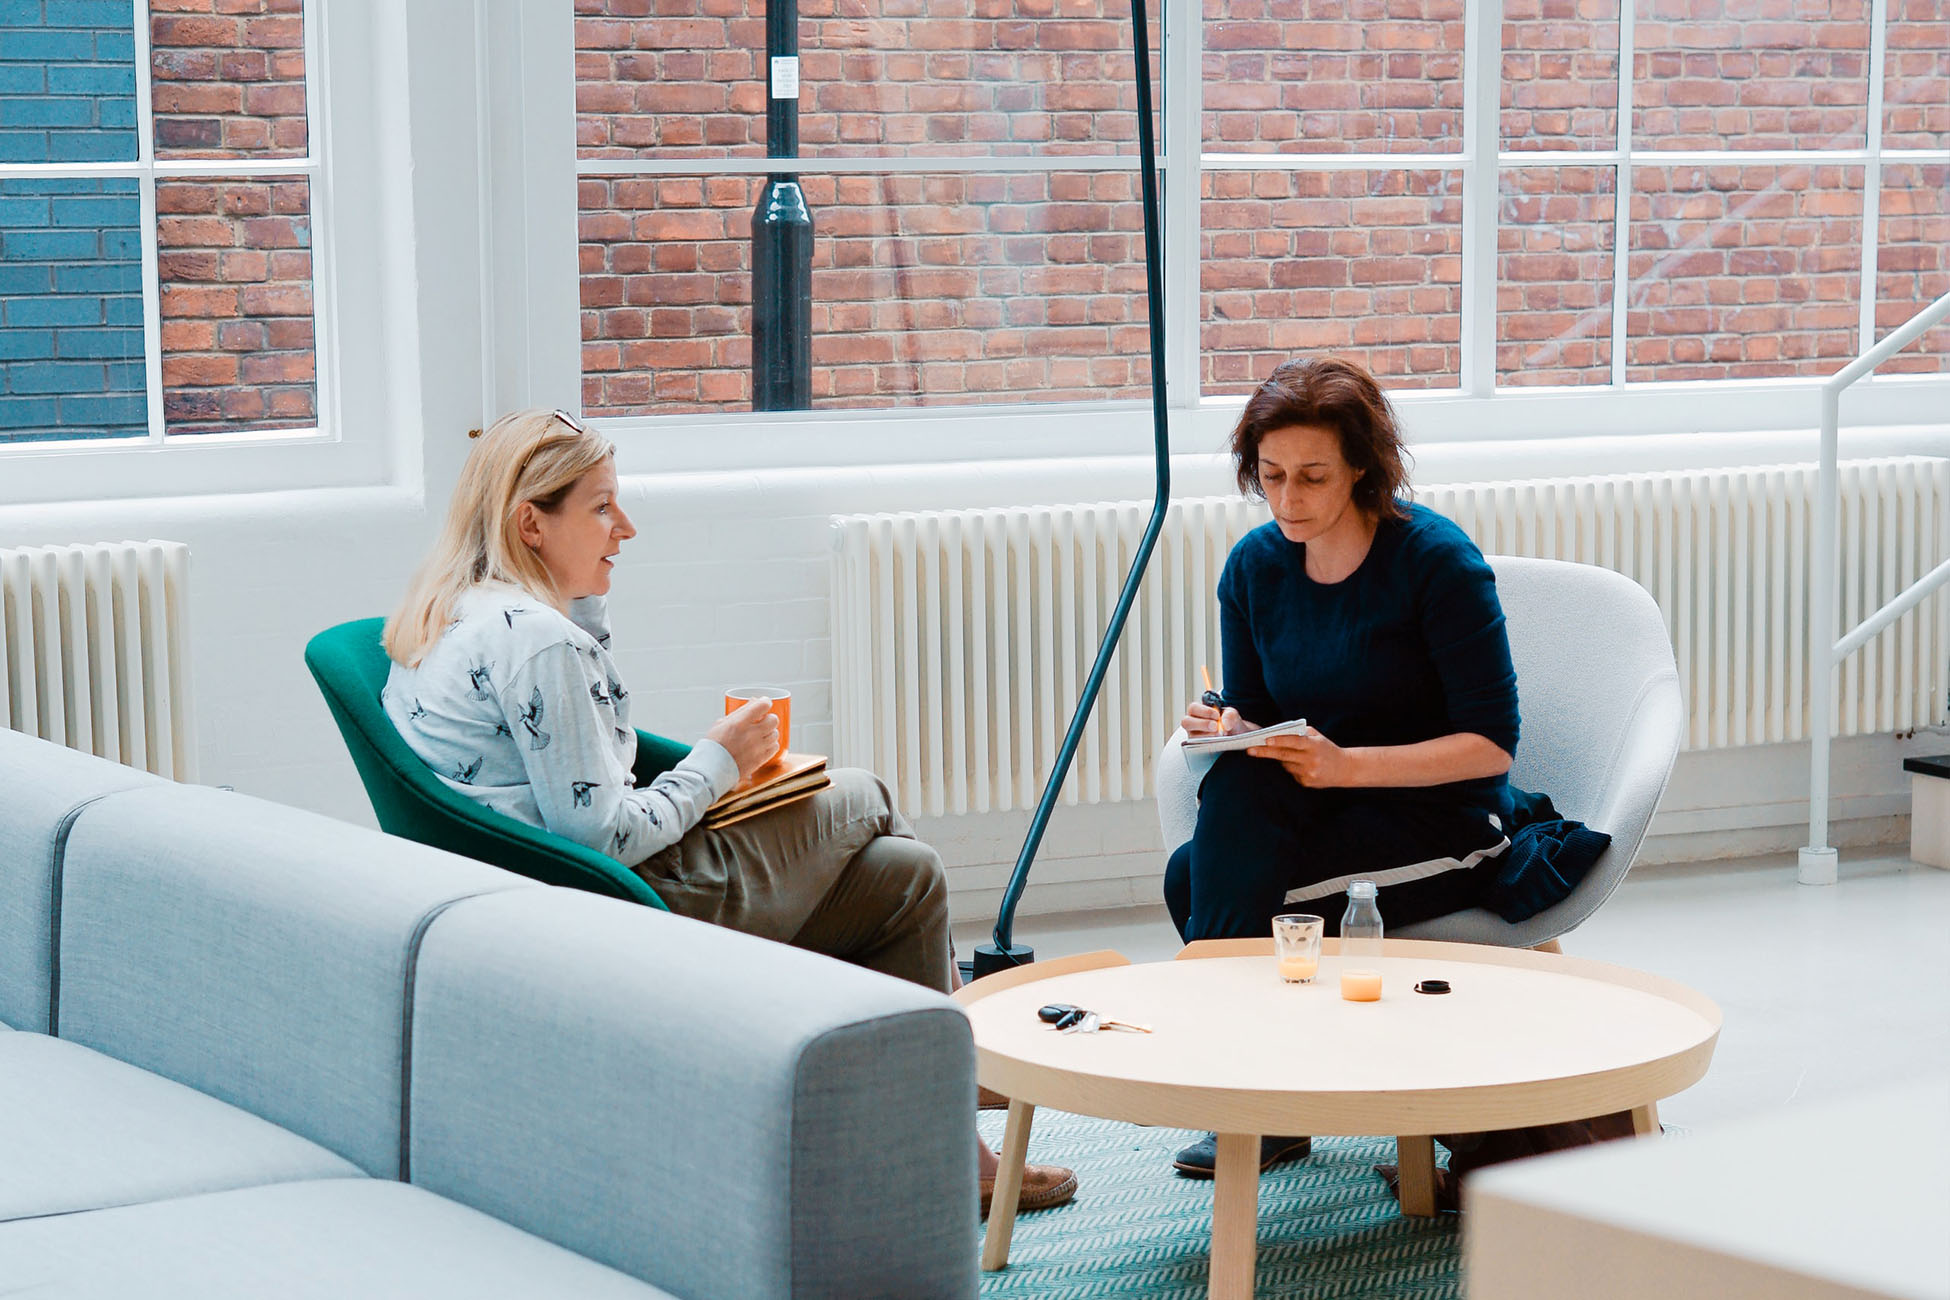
(1599, 694)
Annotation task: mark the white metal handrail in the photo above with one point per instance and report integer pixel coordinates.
(1818, 861)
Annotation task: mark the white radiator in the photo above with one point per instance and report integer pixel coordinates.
(94, 651)
(961, 638)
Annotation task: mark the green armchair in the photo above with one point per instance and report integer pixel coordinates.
(350, 667)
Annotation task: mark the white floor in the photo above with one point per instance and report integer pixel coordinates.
(1826, 990)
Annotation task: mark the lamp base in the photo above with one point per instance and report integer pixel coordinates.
(989, 959)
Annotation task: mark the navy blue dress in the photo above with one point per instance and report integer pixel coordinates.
(1409, 647)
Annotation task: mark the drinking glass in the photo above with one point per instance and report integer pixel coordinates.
(1296, 946)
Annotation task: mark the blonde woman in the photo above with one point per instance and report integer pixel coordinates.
(502, 682)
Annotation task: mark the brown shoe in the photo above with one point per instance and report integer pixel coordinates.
(990, 1099)
(1042, 1187)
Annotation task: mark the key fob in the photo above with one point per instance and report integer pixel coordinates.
(1054, 1012)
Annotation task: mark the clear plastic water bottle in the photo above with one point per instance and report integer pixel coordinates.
(1361, 943)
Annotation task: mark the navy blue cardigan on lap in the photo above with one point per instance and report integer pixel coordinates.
(1408, 647)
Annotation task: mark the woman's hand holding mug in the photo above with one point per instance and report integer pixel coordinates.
(750, 734)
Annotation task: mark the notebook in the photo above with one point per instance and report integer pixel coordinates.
(786, 779)
(1243, 739)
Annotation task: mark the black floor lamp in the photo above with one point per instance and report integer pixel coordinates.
(1002, 953)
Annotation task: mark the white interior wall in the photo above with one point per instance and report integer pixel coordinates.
(728, 579)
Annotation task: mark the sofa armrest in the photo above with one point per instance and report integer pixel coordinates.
(713, 1113)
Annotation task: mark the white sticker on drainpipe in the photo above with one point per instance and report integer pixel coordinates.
(785, 78)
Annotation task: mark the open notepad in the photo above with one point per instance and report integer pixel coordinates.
(786, 779)
(1243, 739)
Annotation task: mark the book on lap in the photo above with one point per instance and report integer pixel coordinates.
(786, 779)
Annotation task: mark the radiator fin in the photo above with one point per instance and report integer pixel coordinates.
(94, 651)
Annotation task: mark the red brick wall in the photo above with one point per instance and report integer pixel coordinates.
(1743, 272)
(1358, 263)
(1333, 76)
(684, 78)
(1777, 74)
(1554, 275)
(1913, 261)
(233, 255)
(926, 289)
(234, 261)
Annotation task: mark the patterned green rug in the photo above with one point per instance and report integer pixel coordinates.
(1328, 1229)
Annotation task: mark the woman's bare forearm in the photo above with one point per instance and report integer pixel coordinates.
(1460, 756)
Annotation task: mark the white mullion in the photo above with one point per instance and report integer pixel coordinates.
(145, 153)
(1872, 172)
(70, 171)
(1621, 274)
(972, 164)
(1482, 106)
(1334, 162)
(318, 205)
(1556, 157)
(224, 168)
(484, 213)
(1184, 36)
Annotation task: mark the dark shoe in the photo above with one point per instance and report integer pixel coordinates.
(1043, 1186)
(1196, 1160)
(1448, 1188)
(990, 1099)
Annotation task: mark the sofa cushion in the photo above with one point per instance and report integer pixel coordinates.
(298, 1241)
(41, 784)
(254, 952)
(81, 1131)
(715, 1113)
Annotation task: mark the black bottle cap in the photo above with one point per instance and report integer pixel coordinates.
(1432, 986)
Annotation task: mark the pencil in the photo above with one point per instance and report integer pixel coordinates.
(1206, 673)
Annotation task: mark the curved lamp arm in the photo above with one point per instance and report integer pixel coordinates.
(1002, 953)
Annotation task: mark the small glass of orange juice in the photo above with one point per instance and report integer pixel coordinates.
(1296, 947)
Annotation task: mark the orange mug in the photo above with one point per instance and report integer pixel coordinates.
(781, 698)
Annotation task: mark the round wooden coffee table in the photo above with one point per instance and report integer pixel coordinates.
(1524, 1038)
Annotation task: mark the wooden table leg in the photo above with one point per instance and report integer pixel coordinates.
(1235, 1216)
(1645, 1120)
(1415, 1158)
(1008, 1186)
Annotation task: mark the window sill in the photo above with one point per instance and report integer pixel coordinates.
(749, 442)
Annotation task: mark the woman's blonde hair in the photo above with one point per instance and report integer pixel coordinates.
(524, 456)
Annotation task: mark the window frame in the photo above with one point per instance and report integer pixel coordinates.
(1478, 408)
(348, 445)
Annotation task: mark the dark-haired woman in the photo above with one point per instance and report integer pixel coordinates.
(1377, 621)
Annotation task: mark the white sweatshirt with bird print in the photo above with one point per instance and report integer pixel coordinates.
(523, 710)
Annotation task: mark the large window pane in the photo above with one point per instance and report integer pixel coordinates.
(1364, 264)
(877, 78)
(1913, 261)
(926, 290)
(70, 310)
(1916, 76)
(1560, 74)
(1554, 235)
(67, 81)
(234, 260)
(1743, 272)
(229, 78)
(1316, 76)
(1729, 74)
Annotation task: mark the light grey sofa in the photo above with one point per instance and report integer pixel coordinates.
(250, 1051)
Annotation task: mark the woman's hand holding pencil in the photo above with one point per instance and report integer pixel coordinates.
(1209, 715)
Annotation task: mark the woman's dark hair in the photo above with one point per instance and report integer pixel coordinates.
(1329, 393)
